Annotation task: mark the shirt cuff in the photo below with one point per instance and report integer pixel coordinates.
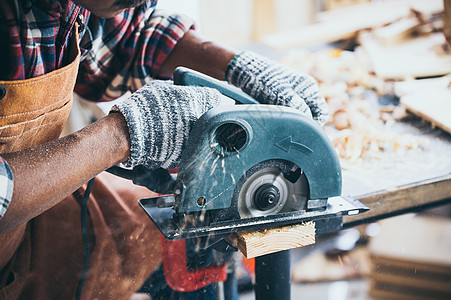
(6, 186)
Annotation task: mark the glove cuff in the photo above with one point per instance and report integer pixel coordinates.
(160, 117)
(244, 65)
(132, 115)
(272, 83)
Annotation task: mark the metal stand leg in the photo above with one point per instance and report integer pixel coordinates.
(273, 276)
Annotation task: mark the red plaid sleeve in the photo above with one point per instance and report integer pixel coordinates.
(118, 54)
(125, 52)
(34, 39)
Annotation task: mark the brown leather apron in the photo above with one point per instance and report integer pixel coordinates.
(43, 259)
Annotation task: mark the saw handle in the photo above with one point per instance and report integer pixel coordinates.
(159, 180)
(188, 77)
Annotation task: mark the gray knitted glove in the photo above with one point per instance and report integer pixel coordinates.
(272, 83)
(159, 117)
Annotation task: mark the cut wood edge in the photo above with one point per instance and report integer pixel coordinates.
(254, 243)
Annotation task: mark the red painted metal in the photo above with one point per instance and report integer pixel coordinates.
(179, 277)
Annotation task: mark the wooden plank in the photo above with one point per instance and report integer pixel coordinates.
(432, 105)
(447, 20)
(309, 35)
(413, 58)
(411, 256)
(380, 12)
(413, 278)
(399, 199)
(384, 262)
(390, 290)
(396, 32)
(382, 204)
(428, 98)
(346, 22)
(413, 238)
(410, 273)
(254, 243)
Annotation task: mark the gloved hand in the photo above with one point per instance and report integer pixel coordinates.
(159, 117)
(272, 83)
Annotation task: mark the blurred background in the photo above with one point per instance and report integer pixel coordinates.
(237, 22)
(384, 68)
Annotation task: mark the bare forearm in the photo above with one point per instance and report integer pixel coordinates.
(46, 174)
(196, 53)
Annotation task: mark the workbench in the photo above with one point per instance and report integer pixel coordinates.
(397, 184)
(392, 185)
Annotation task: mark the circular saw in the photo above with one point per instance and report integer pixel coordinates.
(249, 166)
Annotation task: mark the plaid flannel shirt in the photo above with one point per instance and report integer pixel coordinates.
(6, 186)
(119, 54)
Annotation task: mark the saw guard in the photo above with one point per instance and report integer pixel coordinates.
(293, 194)
(209, 168)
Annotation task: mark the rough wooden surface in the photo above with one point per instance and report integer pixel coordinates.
(403, 198)
(254, 243)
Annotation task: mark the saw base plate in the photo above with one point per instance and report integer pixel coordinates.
(165, 219)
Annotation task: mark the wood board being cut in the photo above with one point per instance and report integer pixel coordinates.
(254, 243)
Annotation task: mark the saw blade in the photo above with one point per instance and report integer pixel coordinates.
(271, 188)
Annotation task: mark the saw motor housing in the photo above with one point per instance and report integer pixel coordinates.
(249, 166)
(227, 142)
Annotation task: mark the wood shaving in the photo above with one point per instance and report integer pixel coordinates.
(359, 128)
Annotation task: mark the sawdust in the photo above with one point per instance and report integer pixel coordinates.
(360, 128)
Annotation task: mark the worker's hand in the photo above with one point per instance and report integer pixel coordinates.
(159, 117)
(272, 83)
